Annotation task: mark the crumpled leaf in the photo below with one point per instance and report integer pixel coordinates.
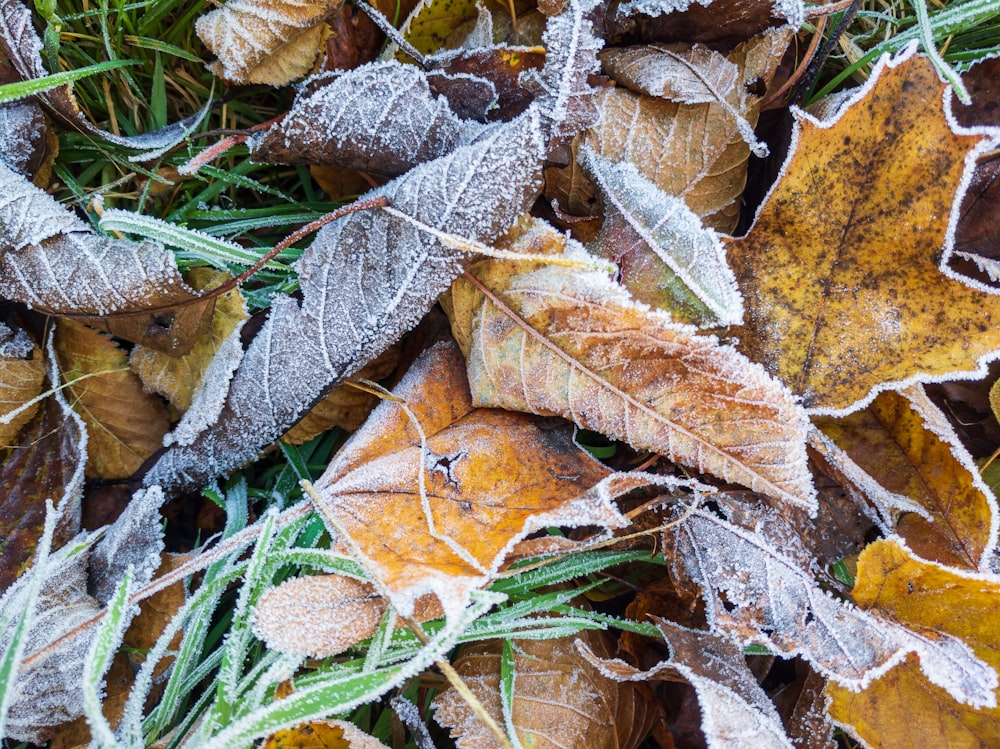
(560, 700)
(556, 341)
(666, 258)
(901, 709)
(125, 424)
(265, 41)
(346, 406)
(341, 120)
(55, 263)
(757, 589)
(323, 615)
(21, 374)
(177, 378)
(366, 279)
(451, 536)
(735, 712)
(855, 295)
(909, 447)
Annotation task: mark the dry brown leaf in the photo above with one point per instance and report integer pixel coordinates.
(177, 378)
(265, 41)
(490, 478)
(21, 374)
(908, 446)
(125, 425)
(555, 341)
(560, 701)
(846, 289)
(346, 406)
(902, 709)
(324, 615)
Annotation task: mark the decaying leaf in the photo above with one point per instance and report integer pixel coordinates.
(346, 406)
(901, 709)
(21, 373)
(909, 447)
(706, 21)
(177, 378)
(341, 120)
(125, 424)
(323, 615)
(432, 512)
(846, 289)
(555, 341)
(55, 263)
(265, 41)
(735, 711)
(366, 279)
(560, 700)
(756, 589)
(665, 256)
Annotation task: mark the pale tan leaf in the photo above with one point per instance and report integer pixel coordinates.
(556, 341)
(125, 424)
(346, 406)
(21, 374)
(265, 41)
(690, 74)
(560, 701)
(177, 378)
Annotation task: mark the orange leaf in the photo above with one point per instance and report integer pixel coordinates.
(908, 446)
(125, 425)
(845, 284)
(903, 709)
(443, 520)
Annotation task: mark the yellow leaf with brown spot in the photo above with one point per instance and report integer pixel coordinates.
(906, 444)
(843, 274)
(125, 425)
(21, 374)
(177, 378)
(440, 513)
(323, 734)
(903, 709)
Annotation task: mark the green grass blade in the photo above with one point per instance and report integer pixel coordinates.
(23, 89)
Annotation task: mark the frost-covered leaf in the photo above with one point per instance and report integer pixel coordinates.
(21, 373)
(560, 700)
(366, 279)
(735, 712)
(901, 709)
(666, 257)
(323, 734)
(432, 23)
(845, 273)
(756, 589)
(323, 615)
(125, 424)
(440, 513)
(177, 378)
(23, 142)
(346, 406)
(265, 41)
(55, 263)
(381, 118)
(555, 341)
(707, 21)
(909, 447)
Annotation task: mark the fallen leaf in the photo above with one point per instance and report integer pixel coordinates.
(177, 378)
(324, 615)
(454, 517)
(55, 263)
(346, 406)
(265, 41)
(909, 447)
(757, 590)
(21, 374)
(124, 424)
(323, 734)
(803, 707)
(432, 22)
(503, 66)
(560, 700)
(903, 709)
(854, 295)
(555, 341)
(666, 258)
